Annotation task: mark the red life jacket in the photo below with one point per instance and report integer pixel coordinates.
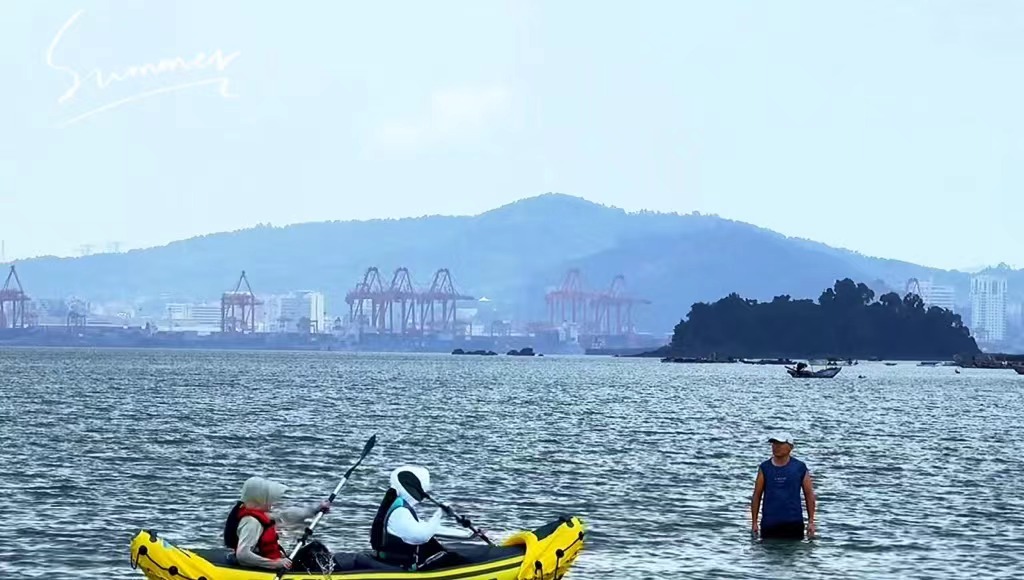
(268, 546)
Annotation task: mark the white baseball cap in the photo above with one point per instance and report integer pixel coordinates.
(781, 437)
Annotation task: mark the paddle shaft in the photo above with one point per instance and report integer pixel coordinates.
(316, 520)
(330, 500)
(461, 520)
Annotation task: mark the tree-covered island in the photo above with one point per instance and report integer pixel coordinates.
(845, 322)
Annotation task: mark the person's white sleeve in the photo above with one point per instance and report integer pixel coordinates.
(249, 532)
(294, 515)
(404, 525)
(458, 533)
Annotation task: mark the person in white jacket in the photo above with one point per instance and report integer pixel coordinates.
(399, 536)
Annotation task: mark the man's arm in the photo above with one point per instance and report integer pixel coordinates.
(755, 502)
(812, 502)
(294, 516)
(455, 533)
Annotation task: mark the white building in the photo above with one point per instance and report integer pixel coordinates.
(1014, 313)
(988, 308)
(284, 312)
(938, 295)
(185, 316)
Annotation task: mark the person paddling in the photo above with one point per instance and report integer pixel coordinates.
(398, 536)
(780, 480)
(251, 526)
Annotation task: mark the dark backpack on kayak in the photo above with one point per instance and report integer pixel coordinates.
(231, 526)
(314, 558)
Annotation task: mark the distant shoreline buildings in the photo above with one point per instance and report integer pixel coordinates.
(988, 308)
(938, 295)
(299, 311)
(994, 319)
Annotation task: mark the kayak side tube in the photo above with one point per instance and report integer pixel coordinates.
(550, 550)
(157, 559)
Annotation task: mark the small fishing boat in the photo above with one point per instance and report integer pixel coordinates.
(801, 372)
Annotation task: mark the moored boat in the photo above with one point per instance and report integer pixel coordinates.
(801, 372)
(834, 362)
(769, 361)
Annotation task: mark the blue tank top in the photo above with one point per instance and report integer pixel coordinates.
(781, 502)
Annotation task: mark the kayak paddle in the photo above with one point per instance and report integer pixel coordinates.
(320, 514)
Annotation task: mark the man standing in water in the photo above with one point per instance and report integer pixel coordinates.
(779, 481)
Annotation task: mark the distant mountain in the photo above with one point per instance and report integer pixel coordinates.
(512, 255)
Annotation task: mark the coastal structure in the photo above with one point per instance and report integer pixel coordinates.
(933, 294)
(12, 302)
(301, 311)
(988, 307)
(382, 316)
(938, 295)
(192, 316)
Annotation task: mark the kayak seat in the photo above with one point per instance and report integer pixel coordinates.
(343, 561)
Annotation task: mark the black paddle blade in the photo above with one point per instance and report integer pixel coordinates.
(412, 484)
(369, 445)
(366, 451)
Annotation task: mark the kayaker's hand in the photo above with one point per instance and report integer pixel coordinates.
(811, 530)
(284, 564)
(325, 506)
(754, 531)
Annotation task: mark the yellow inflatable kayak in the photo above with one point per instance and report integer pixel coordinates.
(543, 554)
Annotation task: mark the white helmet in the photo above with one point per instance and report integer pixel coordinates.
(420, 473)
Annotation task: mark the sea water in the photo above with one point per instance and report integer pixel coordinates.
(918, 470)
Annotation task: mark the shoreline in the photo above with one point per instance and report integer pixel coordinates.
(141, 338)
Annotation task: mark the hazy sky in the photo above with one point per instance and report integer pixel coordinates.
(891, 128)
